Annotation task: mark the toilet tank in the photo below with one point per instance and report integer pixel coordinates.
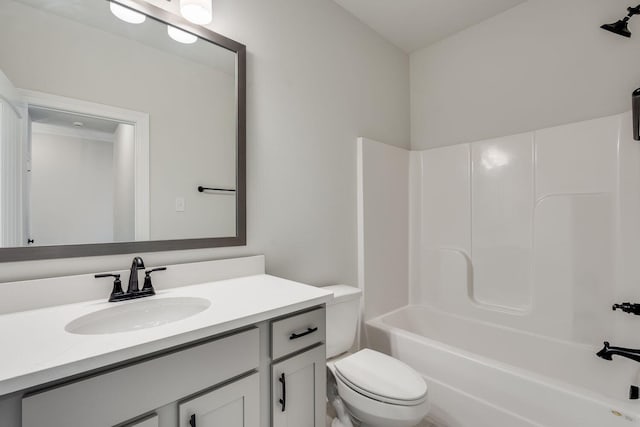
(342, 318)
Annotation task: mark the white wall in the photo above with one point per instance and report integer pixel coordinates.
(383, 226)
(540, 64)
(535, 231)
(124, 220)
(71, 189)
(317, 79)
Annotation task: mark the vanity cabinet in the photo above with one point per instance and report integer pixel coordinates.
(271, 374)
(298, 378)
(68, 366)
(127, 393)
(234, 405)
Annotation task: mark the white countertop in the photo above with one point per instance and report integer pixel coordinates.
(36, 349)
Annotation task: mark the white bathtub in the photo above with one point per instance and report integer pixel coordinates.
(481, 374)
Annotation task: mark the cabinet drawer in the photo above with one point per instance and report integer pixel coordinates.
(297, 332)
(123, 394)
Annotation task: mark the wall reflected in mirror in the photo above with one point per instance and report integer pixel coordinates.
(107, 128)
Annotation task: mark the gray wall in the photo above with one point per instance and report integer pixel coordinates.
(317, 79)
(540, 64)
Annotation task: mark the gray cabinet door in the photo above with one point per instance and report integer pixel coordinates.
(234, 405)
(298, 390)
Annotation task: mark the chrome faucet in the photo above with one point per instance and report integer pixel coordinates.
(136, 265)
(608, 352)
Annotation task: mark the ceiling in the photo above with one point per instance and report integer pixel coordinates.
(414, 24)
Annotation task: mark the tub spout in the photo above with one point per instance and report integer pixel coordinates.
(608, 352)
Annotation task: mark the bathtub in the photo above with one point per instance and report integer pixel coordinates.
(481, 374)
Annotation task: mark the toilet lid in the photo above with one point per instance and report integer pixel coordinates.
(382, 377)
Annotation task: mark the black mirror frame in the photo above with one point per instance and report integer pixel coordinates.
(240, 239)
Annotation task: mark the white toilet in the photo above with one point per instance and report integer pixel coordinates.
(377, 390)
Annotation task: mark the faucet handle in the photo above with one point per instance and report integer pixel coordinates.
(627, 307)
(117, 285)
(148, 287)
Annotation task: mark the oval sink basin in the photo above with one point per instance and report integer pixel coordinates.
(137, 315)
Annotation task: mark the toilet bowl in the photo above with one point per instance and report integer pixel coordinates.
(377, 390)
(380, 391)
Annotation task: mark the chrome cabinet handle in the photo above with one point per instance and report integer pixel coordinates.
(295, 336)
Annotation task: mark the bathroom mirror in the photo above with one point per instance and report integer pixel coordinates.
(122, 129)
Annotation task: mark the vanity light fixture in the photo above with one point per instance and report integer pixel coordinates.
(181, 36)
(197, 11)
(126, 14)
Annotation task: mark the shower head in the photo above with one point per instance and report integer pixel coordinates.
(621, 27)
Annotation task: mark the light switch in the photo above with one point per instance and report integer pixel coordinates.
(179, 204)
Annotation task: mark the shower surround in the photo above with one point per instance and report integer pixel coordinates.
(538, 231)
(518, 247)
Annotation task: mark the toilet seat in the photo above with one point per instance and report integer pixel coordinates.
(383, 399)
(382, 378)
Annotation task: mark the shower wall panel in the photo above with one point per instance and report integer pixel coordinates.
(534, 231)
(502, 197)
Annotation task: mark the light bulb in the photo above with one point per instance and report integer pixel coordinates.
(181, 36)
(126, 14)
(197, 11)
